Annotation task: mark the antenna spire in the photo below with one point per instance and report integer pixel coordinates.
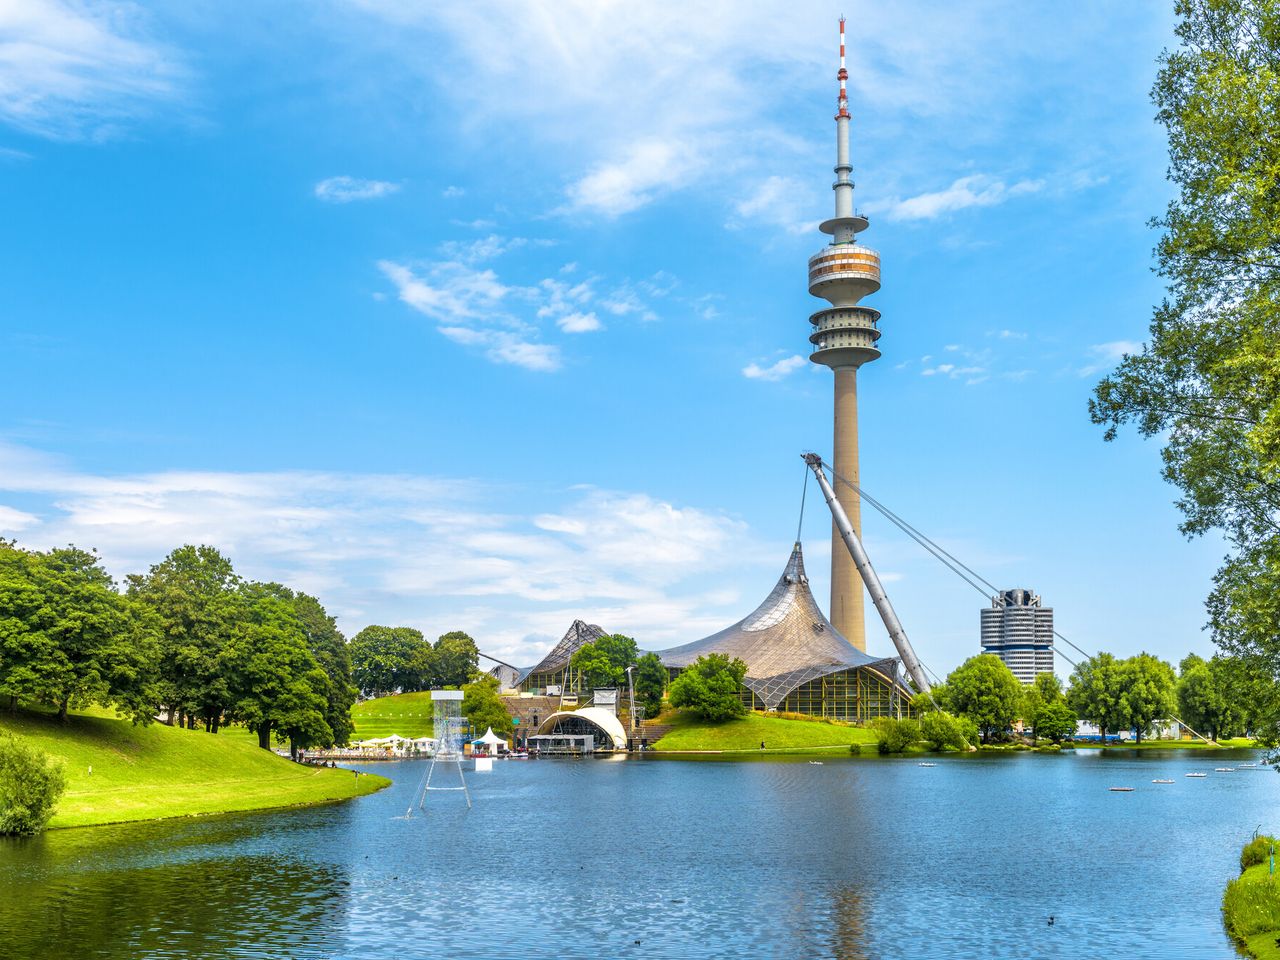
(842, 76)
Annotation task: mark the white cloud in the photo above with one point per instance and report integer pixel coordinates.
(12, 520)
(775, 371)
(71, 70)
(432, 552)
(1104, 356)
(644, 171)
(976, 190)
(579, 323)
(784, 202)
(345, 189)
(452, 192)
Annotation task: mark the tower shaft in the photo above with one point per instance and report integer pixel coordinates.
(847, 614)
(844, 338)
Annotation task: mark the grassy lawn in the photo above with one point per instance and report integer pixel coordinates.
(779, 735)
(408, 714)
(147, 773)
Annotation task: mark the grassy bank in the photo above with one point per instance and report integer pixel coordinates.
(408, 714)
(148, 773)
(1251, 908)
(688, 734)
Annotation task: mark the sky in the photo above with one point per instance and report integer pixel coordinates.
(490, 316)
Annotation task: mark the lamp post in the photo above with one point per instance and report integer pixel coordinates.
(631, 692)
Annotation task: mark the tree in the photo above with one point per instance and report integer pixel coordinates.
(1148, 691)
(650, 679)
(274, 684)
(1207, 382)
(329, 648)
(483, 708)
(1095, 692)
(68, 638)
(1056, 720)
(387, 659)
(1044, 690)
(604, 662)
(985, 690)
(194, 596)
(711, 688)
(30, 786)
(454, 659)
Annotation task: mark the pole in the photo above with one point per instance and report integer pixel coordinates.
(863, 563)
(631, 690)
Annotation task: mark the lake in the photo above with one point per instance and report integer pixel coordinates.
(653, 858)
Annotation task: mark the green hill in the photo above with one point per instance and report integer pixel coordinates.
(408, 714)
(147, 773)
(778, 734)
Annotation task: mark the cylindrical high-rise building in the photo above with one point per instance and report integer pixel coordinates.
(844, 338)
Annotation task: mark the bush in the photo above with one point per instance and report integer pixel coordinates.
(709, 688)
(945, 732)
(30, 785)
(1257, 850)
(894, 736)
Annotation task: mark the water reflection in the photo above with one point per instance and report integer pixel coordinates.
(848, 859)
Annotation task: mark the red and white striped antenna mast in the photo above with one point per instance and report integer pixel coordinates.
(842, 76)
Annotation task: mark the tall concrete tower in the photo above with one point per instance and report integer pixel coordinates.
(844, 338)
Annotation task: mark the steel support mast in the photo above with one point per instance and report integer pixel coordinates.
(863, 564)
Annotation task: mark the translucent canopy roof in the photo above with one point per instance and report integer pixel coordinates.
(578, 635)
(785, 642)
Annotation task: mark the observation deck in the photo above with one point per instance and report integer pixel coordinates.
(844, 273)
(845, 336)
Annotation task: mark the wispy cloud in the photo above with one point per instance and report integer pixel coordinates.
(579, 322)
(774, 371)
(452, 192)
(976, 190)
(644, 170)
(345, 189)
(1104, 356)
(433, 552)
(73, 70)
(784, 202)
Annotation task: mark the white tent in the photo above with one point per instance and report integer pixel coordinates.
(494, 742)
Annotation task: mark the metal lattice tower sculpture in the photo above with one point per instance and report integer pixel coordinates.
(844, 338)
(448, 734)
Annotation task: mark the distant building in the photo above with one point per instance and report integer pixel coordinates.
(1018, 629)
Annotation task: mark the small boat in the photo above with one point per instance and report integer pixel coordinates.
(1248, 766)
(1162, 781)
(815, 763)
(924, 764)
(1224, 769)
(1197, 774)
(1121, 789)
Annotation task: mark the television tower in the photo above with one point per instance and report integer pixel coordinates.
(844, 338)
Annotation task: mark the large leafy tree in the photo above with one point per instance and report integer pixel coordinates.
(483, 708)
(985, 690)
(329, 648)
(604, 662)
(1096, 693)
(386, 659)
(650, 679)
(1149, 685)
(275, 686)
(68, 638)
(1044, 690)
(194, 594)
(1207, 383)
(1056, 720)
(453, 659)
(710, 688)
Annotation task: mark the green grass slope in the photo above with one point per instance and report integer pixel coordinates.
(147, 773)
(1251, 912)
(408, 714)
(778, 734)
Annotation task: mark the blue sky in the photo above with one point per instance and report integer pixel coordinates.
(488, 316)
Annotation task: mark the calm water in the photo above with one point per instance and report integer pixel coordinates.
(853, 858)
